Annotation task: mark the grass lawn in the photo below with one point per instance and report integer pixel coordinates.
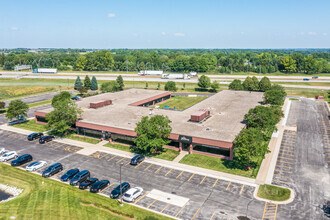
(49, 199)
(274, 193)
(45, 102)
(309, 93)
(32, 126)
(168, 154)
(293, 99)
(83, 138)
(10, 91)
(181, 102)
(213, 163)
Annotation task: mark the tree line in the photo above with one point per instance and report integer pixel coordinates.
(195, 60)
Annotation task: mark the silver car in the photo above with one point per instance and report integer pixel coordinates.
(132, 194)
(35, 165)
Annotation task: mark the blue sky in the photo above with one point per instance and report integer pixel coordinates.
(165, 24)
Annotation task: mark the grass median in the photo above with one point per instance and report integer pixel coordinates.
(31, 125)
(49, 199)
(273, 193)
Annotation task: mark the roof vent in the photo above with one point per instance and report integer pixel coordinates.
(208, 128)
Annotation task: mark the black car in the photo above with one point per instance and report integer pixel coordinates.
(52, 169)
(18, 121)
(33, 136)
(69, 174)
(99, 185)
(116, 192)
(77, 98)
(80, 177)
(137, 159)
(45, 139)
(22, 160)
(86, 184)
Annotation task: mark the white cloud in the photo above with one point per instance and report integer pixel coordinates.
(14, 28)
(311, 33)
(163, 33)
(324, 34)
(135, 34)
(111, 15)
(301, 33)
(179, 34)
(242, 33)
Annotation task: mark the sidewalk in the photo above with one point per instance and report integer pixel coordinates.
(91, 148)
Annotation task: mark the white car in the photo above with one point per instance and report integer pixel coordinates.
(8, 156)
(132, 194)
(35, 165)
(2, 150)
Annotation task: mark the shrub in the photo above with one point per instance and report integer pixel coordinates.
(171, 86)
(111, 86)
(236, 85)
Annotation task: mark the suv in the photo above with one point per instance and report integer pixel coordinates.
(117, 193)
(80, 177)
(45, 139)
(53, 169)
(22, 160)
(137, 159)
(33, 136)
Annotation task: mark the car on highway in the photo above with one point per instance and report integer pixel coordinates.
(18, 121)
(22, 160)
(69, 174)
(76, 98)
(132, 194)
(80, 177)
(99, 185)
(116, 193)
(2, 150)
(306, 79)
(46, 138)
(88, 183)
(34, 136)
(52, 170)
(35, 165)
(8, 156)
(137, 159)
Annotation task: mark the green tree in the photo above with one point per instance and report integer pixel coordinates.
(215, 85)
(81, 63)
(63, 96)
(289, 64)
(8, 65)
(171, 86)
(184, 86)
(236, 84)
(248, 84)
(311, 65)
(152, 133)
(120, 81)
(147, 85)
(264, 84)
(255, 84)
(204, 82)
(142, 66)
(64, 115)
(111, 86)
(275, 95)
(94, 85)
(78, 83)
(82, 89)
(158, 86)
(2, 105)
(17, 108)
(87, 82)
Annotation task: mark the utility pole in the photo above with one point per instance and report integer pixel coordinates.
(121, 191)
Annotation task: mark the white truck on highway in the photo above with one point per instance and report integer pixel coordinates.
(175, 76)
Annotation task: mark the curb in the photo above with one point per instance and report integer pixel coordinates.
(292, 196)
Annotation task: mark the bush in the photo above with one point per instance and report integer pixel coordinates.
(171, 86)
(264, 84)
(275, 95)
(61, 97)
(111, 86)
(248, 84)
(236, 85)
(2, 105)
(204, 82)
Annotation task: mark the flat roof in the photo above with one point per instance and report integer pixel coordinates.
(227, 109)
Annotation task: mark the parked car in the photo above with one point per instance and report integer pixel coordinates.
(8, 156)
(35, 165)
(69, 174)
(99, 185)
(18, 121)
(80, 177)
(132, 194)
(116, 192)
(137, 159)
(2, 150)
(88, 183)
(33, 136)
(76, 98)
(22, 160)
(52, 169)
(45, 139)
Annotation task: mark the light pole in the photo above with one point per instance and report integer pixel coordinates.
(121, 192)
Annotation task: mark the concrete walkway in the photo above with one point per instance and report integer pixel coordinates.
(180, 156)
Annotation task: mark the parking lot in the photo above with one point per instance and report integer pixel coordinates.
(203, 197)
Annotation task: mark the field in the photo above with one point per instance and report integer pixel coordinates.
(274, 193)
(181, 102)
(49, 199)
(16, 91)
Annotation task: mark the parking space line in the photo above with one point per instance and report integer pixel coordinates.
(139, 164)
(59, 146)
(104, 155)
(191, 177)
(282, 171)
(168, 204)
(180, 210)
(286, 158)
(195, 214)
(158, 169)
(140, 198)
(63, 171)
(280, 175)
(152, 203)
(148, 167)
(168, 172)
(179, 174)
(120, 160)
(281, 181)
(203, 179)
(287, 147)
(283, 166)
(113, 157)
(128, 163)
(290, 155)
(215, 182)
(285, 162)
(228, 185)
(105, 188)
(240, 192)
(287, 150)
(212, 215)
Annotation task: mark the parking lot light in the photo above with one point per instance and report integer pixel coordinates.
(121, 198)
